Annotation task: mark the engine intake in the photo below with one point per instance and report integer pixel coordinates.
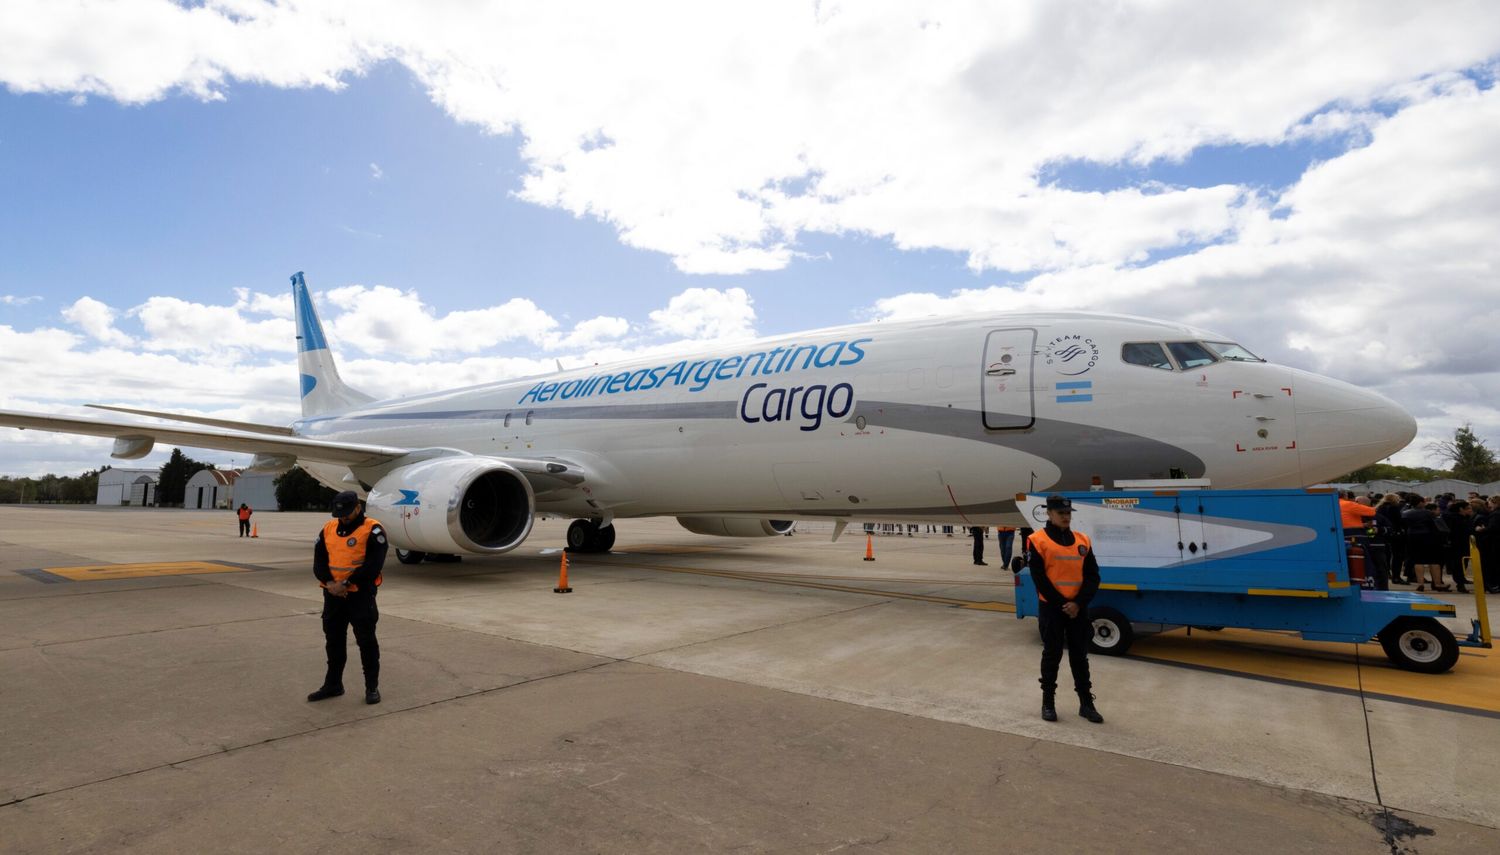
(735, 527)
(455, 504)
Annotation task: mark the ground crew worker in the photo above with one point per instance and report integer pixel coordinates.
(1006, 535)
(1354, 515)
(977, 532)
(347, 559)
(1066, 576)
(244, 514)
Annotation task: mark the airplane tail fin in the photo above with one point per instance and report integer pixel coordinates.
(322, 390)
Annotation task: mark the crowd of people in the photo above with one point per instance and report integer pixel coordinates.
(1416, 540)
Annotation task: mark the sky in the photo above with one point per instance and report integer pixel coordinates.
(478, 190)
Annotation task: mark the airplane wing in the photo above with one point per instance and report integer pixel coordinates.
(252, 427)
(317, 451)
(546, 474)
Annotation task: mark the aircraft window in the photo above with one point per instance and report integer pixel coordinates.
(1149, 354)
(507, 419)
(1231, 352)
(529, 414)
(1191, 354)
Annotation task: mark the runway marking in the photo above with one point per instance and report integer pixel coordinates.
(100, 572)
(1472, 686)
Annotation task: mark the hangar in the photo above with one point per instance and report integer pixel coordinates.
(135, 487)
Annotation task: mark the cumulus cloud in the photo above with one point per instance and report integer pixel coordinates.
(96, 319)
(720, 134)
(706, 313)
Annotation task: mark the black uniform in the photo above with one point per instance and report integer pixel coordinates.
(1059, 630)
(356, 609)
(977, 532)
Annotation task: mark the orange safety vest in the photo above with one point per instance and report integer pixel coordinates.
(244, 513)
(1064, 563)
(346, 553)
(1353, 514)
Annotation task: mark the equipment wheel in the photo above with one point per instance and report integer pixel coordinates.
(606, 539)
(1419, 644)
(410, 556)
(1113, 634)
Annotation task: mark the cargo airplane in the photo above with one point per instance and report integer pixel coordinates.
(940, 420)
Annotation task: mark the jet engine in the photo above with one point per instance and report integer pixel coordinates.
(455, 504)
(732, 527)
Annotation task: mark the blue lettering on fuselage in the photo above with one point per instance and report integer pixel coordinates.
(702, 374)
(808, 404)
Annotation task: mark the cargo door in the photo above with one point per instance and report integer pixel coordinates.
(1006, 394)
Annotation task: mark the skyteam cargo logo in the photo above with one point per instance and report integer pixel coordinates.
(1071, 355)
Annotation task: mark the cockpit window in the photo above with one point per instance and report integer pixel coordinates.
(1231, 352)
(1191, 354)
(1149, 354)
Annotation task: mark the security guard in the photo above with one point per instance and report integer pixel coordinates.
(347, 559)
(1066, 576)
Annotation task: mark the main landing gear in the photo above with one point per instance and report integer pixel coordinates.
(586, 536)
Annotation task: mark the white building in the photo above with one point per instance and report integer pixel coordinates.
(256, 489)
(127, 487)
(210, 488)
(227, 488)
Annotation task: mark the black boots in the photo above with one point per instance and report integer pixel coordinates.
(1086, 708)
(372, 696)
(326, 692)
(1049, 709)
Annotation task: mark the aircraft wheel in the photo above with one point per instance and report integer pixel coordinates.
(1113, 634)
(583, 536)
(606, 539)
(410, 556)
(1419, 644)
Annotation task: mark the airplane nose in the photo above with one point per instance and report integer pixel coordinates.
(1341, 427)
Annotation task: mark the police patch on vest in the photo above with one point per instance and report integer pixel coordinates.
(353, 541)
(1082, 550)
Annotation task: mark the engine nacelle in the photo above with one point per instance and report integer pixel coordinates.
(455, 504)
(733, 527)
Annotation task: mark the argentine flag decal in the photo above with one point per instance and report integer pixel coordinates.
(1075, 392)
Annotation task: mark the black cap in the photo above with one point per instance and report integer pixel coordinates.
(344, 503)
(1059, 503)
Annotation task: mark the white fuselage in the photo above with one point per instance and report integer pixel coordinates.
(944, 420)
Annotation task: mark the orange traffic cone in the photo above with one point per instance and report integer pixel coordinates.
(255, 529)
(562, 577)
(869, 548)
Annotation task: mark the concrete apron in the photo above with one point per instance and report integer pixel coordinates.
(157, 710)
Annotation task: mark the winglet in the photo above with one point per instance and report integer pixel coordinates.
(322, 389)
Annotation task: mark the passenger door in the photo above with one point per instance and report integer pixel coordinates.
(1006, 392)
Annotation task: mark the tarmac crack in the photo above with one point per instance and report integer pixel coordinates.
(184, 761)
(753, 630)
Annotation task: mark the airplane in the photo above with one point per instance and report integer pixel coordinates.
(944, 420)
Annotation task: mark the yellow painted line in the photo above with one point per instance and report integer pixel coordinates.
(1117, 586)
(101, 572)
(1474, 683)
(1284, 592)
